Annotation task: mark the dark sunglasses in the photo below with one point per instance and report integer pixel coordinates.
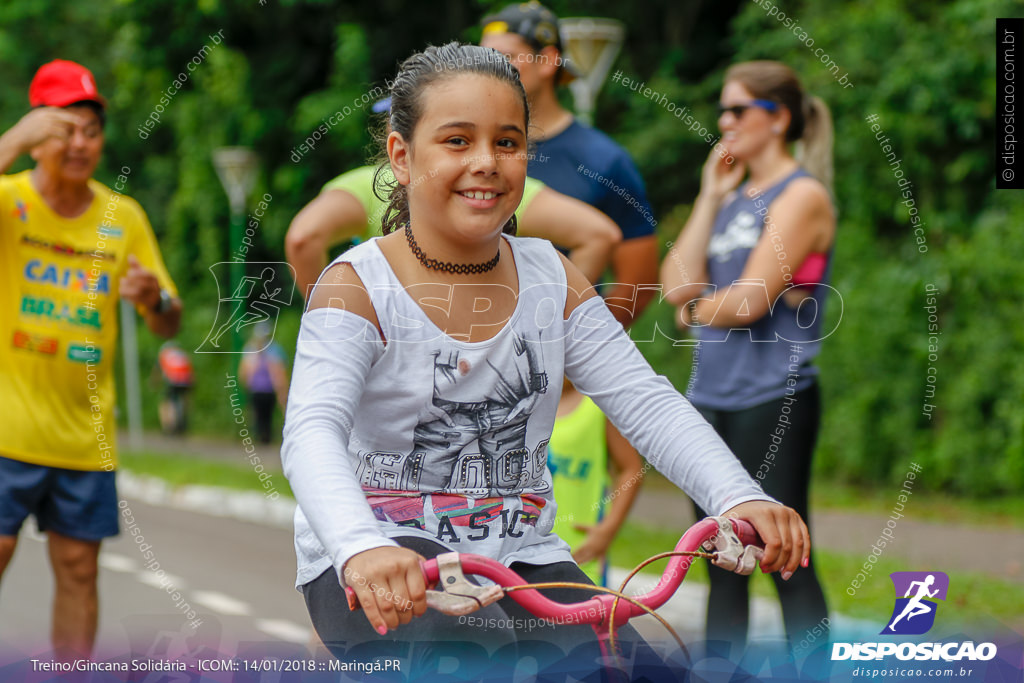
(737, 110)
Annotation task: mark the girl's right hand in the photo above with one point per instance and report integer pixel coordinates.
(719, 177)
(389, 584)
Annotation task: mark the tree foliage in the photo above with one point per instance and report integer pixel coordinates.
(926, 70)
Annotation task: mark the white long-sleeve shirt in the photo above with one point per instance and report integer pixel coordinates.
(424, 435)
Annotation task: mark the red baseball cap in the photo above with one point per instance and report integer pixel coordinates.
(60, 83)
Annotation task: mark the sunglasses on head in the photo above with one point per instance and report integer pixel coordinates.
(737, 110)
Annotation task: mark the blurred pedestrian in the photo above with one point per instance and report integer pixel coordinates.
(265, 376)
(177, 377)
(69, 249)
(750, 272)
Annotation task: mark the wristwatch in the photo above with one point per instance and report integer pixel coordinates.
(164, 304)
(691, 309)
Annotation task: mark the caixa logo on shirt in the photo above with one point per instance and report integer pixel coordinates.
(913, 614)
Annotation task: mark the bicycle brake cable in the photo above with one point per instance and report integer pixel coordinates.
(611, 617)
(632, 574)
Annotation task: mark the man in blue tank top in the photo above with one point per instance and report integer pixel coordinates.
(575, 159)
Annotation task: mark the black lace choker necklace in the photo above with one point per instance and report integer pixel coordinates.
(445, 266)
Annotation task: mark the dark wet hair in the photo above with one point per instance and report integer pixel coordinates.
(415, 75)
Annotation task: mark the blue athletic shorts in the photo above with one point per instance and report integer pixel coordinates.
(82, 505)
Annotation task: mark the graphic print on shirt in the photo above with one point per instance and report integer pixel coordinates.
(471, 439)
(742, 232)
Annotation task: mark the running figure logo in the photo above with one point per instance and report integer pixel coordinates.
(914, 613)
(257, 298)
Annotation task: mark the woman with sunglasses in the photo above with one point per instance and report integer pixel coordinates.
(749, 274)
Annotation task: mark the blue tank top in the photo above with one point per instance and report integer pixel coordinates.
(741, 368)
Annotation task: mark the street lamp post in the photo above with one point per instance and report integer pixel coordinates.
(236, 168)
(592, 45)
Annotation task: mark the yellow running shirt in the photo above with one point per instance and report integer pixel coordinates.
(59, 280)
(578, 460)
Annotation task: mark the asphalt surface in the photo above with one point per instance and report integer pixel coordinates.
(236, 576)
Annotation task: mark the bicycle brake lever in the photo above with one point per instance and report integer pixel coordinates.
(457, 595)
(732, 555)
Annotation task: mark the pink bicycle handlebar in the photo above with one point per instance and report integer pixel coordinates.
(734, 552)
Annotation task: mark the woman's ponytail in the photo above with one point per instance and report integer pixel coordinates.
(814, 148)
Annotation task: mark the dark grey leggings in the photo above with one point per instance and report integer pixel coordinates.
(785, 474)
(436, 642)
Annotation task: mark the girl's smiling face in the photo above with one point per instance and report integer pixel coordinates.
(466, 163)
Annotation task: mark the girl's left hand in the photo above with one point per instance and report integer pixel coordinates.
(787, 544)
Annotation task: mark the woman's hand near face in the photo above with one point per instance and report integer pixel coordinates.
(719, 177)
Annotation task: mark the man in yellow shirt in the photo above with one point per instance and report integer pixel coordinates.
(69, 249)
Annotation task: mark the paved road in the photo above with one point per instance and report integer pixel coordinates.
(236, 576)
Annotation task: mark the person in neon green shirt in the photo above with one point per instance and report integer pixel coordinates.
(347, 208)
(590, 512)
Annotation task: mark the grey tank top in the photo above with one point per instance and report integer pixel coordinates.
(737, 369)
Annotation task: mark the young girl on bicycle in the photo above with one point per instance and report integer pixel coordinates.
(427, 377)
